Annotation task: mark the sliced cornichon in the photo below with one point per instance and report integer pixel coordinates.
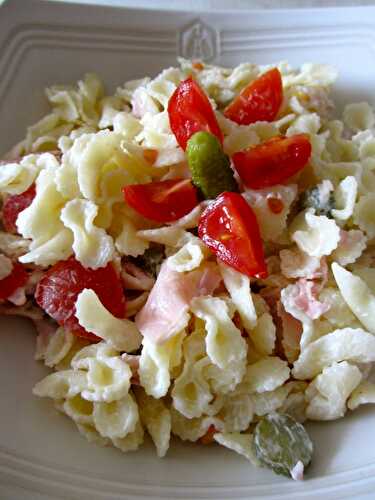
(209, 165)
(323, 203)
(283, 445)
(152, 259)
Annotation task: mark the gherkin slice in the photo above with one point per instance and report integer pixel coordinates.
(152, 259)
(209, 165)
(312, 199)
(280, 443)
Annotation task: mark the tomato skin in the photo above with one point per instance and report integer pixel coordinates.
(190, 111)
(272, 162)
(17, 278)
(259, 101)
(230, 229)
(163, 201)
(57, 292)
(13, 205)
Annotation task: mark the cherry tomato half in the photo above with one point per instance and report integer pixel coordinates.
(163, 201)
(230, 229)
(272, 162)
(17, 278)
(259, 101)
(57, 292)
(190, 111)
(15, 204)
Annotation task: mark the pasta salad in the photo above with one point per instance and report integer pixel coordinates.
(196, 252)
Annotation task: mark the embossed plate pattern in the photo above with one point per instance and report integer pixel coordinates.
(41, 454)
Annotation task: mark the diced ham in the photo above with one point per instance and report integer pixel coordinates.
(297, 264)
(297, 471)
(303, 296)
(166, 310)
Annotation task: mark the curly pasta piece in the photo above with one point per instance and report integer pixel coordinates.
(101, 351)
(338, 313)
(359, 116)
(41, 223)
(116, 419)
(224, 343)
(92, 435)
(191, 429)
(240, 443)
(156, 363)
(263, 335)
(172, 236)
(237, 411)
(364, 393)
(351, 245)
(345, 195)
(189, 257)
(191, 392)
(59, 345)
(79, 409)
(132, 441)
(364, 214)
(265, 375)
(156, 417)
(271, 224)
(328, 392)
(297, 264)
(357, 295)
(64, 384)
(92, 246)
(128, 241)
(122, 334)
(318, 235)
(15, 178)
(238, 286)
(347, 344)
(107, 379)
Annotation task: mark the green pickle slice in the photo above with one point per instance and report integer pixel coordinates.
(209, 165)
(280, 443)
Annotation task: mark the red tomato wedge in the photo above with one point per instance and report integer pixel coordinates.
(259, 101)
(57, 292)
(190, 111)
(163, 201)
(230, 229)
(13, 205)
(16, 279)
(272, 162)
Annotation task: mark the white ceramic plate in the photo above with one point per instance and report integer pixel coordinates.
(42, 456)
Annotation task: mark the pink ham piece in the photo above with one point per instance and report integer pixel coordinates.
(166, 310)
(305, 298)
